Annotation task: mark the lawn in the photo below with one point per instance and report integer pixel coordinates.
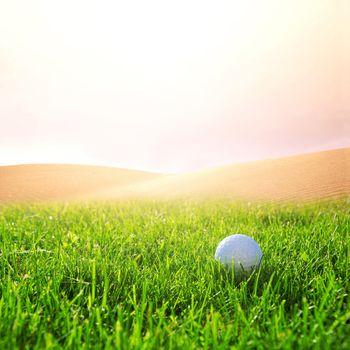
(141, 275)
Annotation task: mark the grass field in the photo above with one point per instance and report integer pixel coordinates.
(142, 276)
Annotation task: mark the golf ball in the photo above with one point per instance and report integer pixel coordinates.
(239, 251)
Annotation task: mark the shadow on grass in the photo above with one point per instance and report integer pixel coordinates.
(267, 281)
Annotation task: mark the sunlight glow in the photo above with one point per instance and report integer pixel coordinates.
(169, 85)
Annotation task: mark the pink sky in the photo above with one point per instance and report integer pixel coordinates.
(172, 86)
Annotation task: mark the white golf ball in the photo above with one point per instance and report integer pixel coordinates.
(239, 251)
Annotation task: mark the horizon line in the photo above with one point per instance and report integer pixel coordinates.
(104, 165)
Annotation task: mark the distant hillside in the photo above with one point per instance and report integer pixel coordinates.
(305, 177)
(62, 182)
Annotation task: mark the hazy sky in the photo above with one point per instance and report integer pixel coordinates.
(172, 85)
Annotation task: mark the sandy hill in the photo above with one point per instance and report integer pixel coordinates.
(62, 182)
(306, 177)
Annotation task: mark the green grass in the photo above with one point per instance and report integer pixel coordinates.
(142, 276)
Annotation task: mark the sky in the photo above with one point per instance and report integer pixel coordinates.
(172, 86)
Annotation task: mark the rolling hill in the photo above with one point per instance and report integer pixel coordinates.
(42, 182)
(305, 177)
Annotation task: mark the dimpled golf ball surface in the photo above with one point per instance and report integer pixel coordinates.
(240, 250)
